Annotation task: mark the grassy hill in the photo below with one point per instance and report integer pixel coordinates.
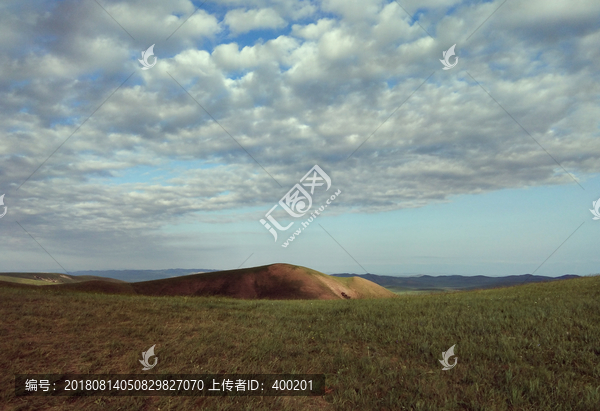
(275, 281)
(528, 347)
(51, 278)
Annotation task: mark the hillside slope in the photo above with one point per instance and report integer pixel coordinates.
(275, 281)
(51, 278)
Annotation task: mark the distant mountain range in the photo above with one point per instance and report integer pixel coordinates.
(453, 282)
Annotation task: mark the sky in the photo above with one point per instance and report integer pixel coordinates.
(485, 161)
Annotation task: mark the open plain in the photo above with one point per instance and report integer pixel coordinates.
(528, 347)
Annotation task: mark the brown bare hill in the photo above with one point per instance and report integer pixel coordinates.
(275, 281)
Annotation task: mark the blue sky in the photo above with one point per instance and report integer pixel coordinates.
(488, 168)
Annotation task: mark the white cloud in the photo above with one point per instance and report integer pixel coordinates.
(292, 101)
(242, 21)
(313, 31)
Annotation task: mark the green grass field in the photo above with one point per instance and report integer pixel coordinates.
(531, 347)
(50, 278)
(408, 291)
(17, 280)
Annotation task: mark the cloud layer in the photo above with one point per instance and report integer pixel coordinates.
(247, 96)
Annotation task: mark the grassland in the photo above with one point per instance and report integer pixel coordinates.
(407, 291)
(531, 347)
(51, 278)
(18, 280)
